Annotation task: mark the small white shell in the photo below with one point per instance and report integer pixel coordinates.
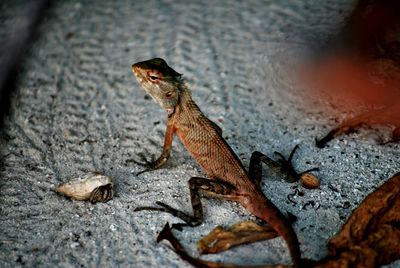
(92, 186)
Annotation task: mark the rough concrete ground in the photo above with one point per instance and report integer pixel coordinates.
(77, 108)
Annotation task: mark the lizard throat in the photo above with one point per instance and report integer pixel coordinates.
(170, 111)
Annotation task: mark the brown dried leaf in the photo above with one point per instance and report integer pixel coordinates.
(220, 239)
(371, 236)
(367, 217)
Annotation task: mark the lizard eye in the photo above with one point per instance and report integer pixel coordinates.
(153, 76)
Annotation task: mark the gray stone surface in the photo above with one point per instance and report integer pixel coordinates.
(78, 108)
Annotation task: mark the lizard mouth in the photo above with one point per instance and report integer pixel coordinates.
(135, 69)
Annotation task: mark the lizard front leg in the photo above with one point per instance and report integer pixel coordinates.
(197, 185)
(163, 158)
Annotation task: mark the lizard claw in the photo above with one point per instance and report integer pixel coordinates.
(144, 170)
(149, 165)
(166, 208)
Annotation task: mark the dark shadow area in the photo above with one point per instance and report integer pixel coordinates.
(22, 19)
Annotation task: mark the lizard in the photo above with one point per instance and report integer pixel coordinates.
(227, 177)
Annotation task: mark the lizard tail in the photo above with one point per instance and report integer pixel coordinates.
(269, 213)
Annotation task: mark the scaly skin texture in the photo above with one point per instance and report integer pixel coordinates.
(202, 138)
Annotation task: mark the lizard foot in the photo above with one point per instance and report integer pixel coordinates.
(148, 165)
(190, 221)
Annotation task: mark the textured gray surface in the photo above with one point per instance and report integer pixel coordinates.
(78, 108)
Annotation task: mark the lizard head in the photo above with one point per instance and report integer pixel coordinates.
(159, 80)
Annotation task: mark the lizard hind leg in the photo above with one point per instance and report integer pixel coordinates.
(284, 168)
(215, 188)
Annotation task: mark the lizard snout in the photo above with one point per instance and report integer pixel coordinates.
(136, 69)
(134, 66)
